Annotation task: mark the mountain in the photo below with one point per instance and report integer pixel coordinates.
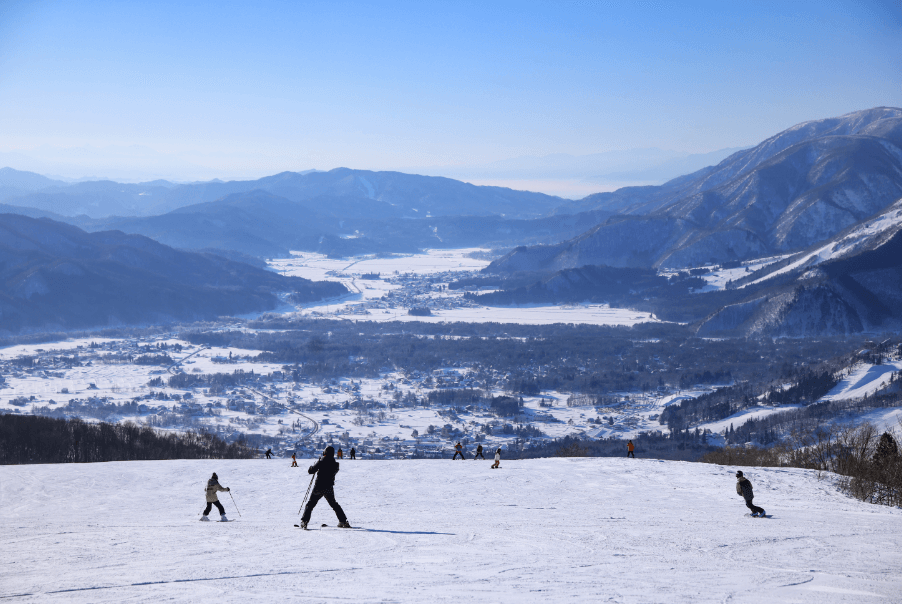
(345, 192)
(848, 285)
(264, 224)
(795, 189)
(25, 181)
(54, 275)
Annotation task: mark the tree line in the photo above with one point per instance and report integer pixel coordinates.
(37, 439)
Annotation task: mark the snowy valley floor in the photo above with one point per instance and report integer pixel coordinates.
(550, 530)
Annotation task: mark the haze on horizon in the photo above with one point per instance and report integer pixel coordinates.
(136, 91)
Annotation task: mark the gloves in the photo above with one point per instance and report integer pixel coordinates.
(228, 489)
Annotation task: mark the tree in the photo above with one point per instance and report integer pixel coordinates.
(887, 450)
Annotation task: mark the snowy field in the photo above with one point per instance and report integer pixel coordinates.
(414, 280)
(550, 530)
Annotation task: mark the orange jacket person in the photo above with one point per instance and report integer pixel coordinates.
(294, 461)
(630, 448)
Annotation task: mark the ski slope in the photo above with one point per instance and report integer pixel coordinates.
(549, 530)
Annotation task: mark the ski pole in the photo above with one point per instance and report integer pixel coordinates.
(308, 489)
(235, 504)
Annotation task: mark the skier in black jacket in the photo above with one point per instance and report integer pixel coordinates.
(325, 469)
(744, 488)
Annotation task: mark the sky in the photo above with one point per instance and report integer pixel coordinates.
(196, 90)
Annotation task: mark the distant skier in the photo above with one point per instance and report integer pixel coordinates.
(269, 454)
(213, 487)
(497, 463)
(294, 461)
(744, 488)
(325, 470)
(458, 451)
(478, 453)
(630, 449)
(339, 455)
(353, 453)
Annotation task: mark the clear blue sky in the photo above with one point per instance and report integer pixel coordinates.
(267, 86)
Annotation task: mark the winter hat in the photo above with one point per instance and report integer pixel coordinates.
(215, 476)
(739, 474)
(329, 452)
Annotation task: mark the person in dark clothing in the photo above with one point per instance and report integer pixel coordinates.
(353, 453)
(269, 454)
(478, 453)
(325, 469)
(458, 451)
(744, 488)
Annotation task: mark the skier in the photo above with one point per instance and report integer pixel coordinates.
(353, 453)
(497, 463)
(630, 448)
(325, 469)
(269, 453)
(478, 453)
(744, 488)
(339, 455)
(459, 451)
(213, 487)
(294, 461)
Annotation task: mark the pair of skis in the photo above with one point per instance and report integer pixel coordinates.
(322, 526)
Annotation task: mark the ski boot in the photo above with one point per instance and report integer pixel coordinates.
(344, 524)
(204, 519)
(304, 525)
(223, 518)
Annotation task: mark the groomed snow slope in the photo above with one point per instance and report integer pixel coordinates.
(551, 530)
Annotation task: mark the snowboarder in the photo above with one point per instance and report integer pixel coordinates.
(269, 453)
(213, 487)
(339, 455)
(630, 448)
(458, 451)
(325, 469)
(497, 463)
(353, 453)
(744, 488)
(478, 453)
(294, 461)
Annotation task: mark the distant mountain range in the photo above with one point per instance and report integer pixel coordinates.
(56, 276)
(357, 193)
(825, 196)
(799, 187)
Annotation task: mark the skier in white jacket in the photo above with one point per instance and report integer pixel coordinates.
(214, 487)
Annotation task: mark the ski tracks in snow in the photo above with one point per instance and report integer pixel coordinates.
(543, 530)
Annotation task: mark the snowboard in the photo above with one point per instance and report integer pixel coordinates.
(764, 516)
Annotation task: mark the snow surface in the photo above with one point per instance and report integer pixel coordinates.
(737, 419)
(406, 273)
(549, 530)
(864, 379)
(717, 278)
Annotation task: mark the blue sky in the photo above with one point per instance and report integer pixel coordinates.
(259, 87)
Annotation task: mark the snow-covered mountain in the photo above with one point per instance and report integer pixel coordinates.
(850, 284)
(793, 190)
